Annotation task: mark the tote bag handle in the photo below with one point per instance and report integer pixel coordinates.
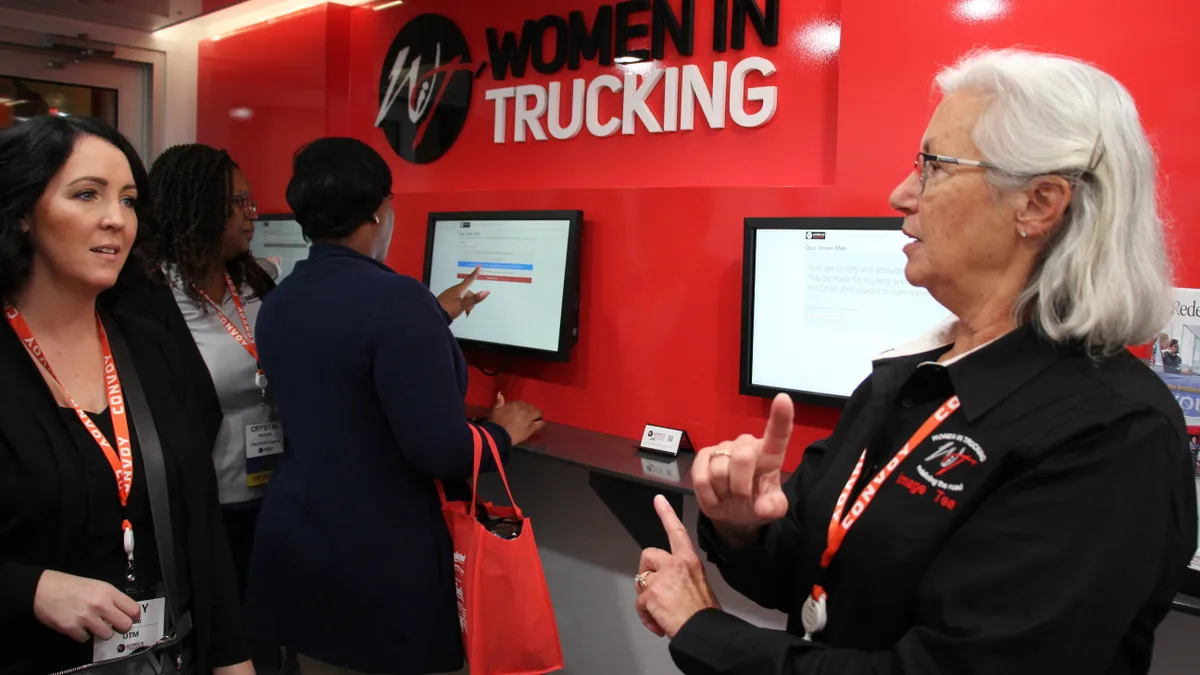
(478, 452)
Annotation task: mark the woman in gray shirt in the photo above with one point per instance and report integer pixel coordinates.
(204, 215)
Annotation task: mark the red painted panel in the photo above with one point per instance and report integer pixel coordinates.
(661, 265)
(262, 93)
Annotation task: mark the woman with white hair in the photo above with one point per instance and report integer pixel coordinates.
(1010, 493)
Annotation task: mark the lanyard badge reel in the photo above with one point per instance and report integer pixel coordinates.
(263, 440)
(260, 381)
(814, 615)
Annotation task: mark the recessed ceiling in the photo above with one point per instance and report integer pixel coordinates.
(147, 15)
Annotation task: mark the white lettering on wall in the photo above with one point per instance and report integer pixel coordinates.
(738, 94)
(500, 96)
(695, 90)
(538, 108)
(594, 125)
(578, 96)
(530, 116)
(635, 102)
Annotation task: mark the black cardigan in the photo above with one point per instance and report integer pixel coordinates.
(137, 295)
(35, 442)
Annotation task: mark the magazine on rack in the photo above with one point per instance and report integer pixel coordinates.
(1175, 356)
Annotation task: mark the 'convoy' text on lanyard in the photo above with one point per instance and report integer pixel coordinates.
(814, 614)
(245, 336)
(121, 459)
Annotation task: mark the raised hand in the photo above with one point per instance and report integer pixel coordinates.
(738, 483)
(672, 586)
(458, 299)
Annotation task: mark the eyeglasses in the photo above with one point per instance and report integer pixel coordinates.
(246, 204)
(924, 161)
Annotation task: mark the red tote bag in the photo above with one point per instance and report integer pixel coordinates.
(504, 604)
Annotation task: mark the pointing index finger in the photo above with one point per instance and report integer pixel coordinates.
(460, 289)
(677, 535)
(779, 426)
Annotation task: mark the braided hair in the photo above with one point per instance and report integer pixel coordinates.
(192, 187)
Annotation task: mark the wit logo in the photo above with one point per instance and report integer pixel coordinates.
(953, 451)
(410, 77)
(429, 65)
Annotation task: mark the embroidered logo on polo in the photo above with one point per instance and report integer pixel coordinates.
(954, 457)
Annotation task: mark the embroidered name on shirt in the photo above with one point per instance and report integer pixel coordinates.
(915, 488)
(911, 485)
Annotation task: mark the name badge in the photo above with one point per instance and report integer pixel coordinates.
(264, 445)
(146, 631)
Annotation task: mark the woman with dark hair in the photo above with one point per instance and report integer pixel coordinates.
(74, 578)
(204, 215)
(352, 565)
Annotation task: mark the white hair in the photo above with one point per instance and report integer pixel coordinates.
(1105, 277)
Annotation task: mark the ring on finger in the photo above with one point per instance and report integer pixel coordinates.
(640, 578)
(722, 453)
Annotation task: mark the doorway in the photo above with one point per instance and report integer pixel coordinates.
(115, 91)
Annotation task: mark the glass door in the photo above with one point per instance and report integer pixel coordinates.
(34, 83)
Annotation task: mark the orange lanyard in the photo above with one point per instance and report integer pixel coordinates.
(121, 459)
(244, 337)
(839, 526)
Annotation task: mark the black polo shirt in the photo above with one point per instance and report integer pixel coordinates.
(1044, 527)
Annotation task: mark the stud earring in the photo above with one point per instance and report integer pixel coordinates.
(1023, 233)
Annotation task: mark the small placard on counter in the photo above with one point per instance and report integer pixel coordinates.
(665, 440)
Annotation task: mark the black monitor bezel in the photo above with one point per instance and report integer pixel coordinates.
(568, 331)
(751, 228)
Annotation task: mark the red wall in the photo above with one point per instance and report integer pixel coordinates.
(265, 91)
(663, 233)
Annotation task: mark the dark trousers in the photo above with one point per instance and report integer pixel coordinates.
(240, 522)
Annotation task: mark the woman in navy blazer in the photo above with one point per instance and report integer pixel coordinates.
(352, 564)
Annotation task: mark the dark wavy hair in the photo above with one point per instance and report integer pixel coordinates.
(31, 154)
(193, 189)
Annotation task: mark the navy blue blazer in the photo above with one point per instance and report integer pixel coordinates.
(352, 561)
